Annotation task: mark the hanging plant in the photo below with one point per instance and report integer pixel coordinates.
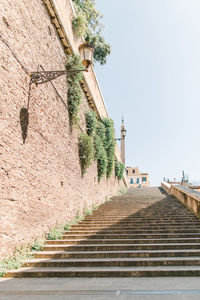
(109, 144)
(101, 132)
(86, 151)
(74, 93)
(121, 172)
(117, 168)
(110, 156)
(101, 156)
(91, 122)
(102, 163)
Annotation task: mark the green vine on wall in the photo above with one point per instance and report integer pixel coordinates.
(109, 144)
(119, 169)
(91, 122)
(87, 23)
(100, 156)
(86, 151)
(74, 93)
(102, 133)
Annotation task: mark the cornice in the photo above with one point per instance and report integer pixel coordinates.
(67, 47)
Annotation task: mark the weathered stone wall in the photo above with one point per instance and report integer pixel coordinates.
(40, 180)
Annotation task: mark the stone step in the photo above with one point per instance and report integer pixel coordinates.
(119, 254)
(144, 218)
(128, 228)
(106, 272)
(122, 241)
(134, 225)
(131, 224)
(143, 215)
(111, 247)
(130, 236)
(108, 231)
(112, 262)
(128, 222)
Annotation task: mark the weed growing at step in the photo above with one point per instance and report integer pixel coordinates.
(87, 212)
(75, 221)
(95, 207)
(121, 191)
(15, 261)
(37, 245)
(107, 199)
(55, 233)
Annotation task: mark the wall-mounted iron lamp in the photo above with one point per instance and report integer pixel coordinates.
(86, 53)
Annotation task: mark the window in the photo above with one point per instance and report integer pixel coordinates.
(131, 181)
(138, 180)
(133, 171)
(144, 179)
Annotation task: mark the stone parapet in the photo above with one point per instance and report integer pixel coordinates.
(190, 198)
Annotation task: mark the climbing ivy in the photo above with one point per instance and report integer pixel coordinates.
(101, 132)
(119, 169)
(74, 93)
(101, 156)
(91, 122)
(109, 144)
(86, 151)
(121, 172)
(87, 23)
(98, 144)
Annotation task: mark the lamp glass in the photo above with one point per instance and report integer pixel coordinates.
(86, 53)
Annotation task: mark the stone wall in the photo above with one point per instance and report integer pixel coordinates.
(41, 182)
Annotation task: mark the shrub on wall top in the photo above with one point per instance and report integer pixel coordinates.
(87, 23)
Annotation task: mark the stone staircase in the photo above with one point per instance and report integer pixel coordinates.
(142, 233)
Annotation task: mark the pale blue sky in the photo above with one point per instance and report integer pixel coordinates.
(152, 77)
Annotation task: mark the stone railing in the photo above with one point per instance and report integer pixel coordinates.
(188, 197)
(166, 186)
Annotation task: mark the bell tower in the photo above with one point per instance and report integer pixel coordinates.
(123, 134)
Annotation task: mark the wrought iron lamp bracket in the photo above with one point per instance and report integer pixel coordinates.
(45, 76)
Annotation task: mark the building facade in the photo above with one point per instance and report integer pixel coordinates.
(136, 178)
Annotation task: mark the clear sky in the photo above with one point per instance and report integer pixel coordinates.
(152, 77)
